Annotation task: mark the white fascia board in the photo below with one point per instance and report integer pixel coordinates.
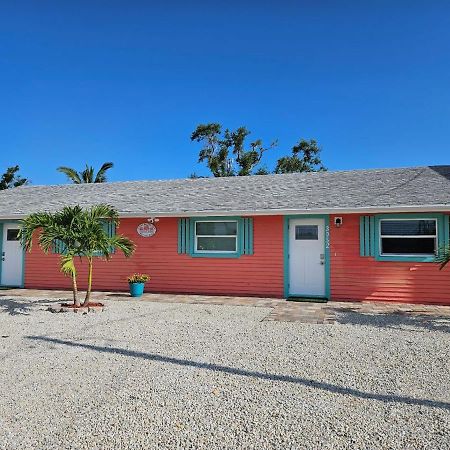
(287, 212)
(274, 212)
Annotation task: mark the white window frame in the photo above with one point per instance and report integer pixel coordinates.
(196, 236)
(412, 255)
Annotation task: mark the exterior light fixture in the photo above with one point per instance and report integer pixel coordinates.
(338, 222)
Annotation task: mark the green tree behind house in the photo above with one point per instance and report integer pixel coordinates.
(228, 154)
(305, 157)
(11, 178)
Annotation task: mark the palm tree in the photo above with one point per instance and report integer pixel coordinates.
(87, 175)
(94, 240)
(79, 233)
(56, 228)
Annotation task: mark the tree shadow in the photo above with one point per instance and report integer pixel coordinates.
(21, 307)
(396, 320)
(335, 389)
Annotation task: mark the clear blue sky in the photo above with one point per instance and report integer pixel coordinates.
(128, 81)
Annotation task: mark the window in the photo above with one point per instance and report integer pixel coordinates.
(408, 237)
(216, 236)
(306, 232)
(12, 234)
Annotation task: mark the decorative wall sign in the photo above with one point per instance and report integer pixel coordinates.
(146, 229)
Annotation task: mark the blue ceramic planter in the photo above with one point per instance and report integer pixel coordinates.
(136, 289)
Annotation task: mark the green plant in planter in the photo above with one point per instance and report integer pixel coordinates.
(138, 278)
(137, 282)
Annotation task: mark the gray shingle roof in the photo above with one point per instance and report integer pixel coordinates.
(344, 190)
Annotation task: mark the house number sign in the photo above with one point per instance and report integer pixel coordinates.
(327, 237)
(146, 229)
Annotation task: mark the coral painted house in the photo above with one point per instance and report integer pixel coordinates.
(350, 235)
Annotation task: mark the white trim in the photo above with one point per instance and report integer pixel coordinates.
(276, 212)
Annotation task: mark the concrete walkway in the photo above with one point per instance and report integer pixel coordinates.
(282, 310)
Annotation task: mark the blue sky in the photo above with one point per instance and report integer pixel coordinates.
(129, 81)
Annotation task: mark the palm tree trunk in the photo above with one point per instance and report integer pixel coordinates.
(76, 300)
(89, 286)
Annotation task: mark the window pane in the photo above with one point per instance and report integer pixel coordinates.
(216, 244)
(408, 246)
(307, 232)
(216, 228)
(408, 227)
(12, 235)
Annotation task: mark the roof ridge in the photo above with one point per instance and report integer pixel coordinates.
(218, 179)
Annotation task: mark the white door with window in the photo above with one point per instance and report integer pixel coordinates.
(12, 257)
(307, 257)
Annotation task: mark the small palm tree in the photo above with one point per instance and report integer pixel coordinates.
(56, 227)
(94, 240)
(88, 175)
(80, 233)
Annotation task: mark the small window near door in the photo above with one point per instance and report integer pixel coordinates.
(12, 234)
(306, 232)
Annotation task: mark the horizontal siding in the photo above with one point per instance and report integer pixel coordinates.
(260, 274)
(362, 278)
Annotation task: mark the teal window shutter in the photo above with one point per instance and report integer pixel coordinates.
(247, 236)
(367, 236)
(184, 235)
(446, 231)
(59, 247)
(110, 229)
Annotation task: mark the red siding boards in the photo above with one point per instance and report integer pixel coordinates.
(352, 277)
(260, 274)
(362, 278)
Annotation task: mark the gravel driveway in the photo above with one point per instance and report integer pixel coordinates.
(167, 376)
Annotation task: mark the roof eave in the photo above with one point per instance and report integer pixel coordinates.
(273, 212)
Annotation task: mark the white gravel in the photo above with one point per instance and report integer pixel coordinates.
(168, 376)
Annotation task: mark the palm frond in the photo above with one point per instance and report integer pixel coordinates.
(71, 174)
(101, 174)
(443, 257)
(104, 211)
(88, 174)
(29, 225)
(67, 266)
(122, 243)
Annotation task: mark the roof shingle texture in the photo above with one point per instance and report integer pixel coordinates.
(416, 186)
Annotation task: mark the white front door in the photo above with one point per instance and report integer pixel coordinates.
(12, 257)
(307, 257)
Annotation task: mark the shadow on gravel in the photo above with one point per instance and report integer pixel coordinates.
(251, 374)
(20, 307)
(394, 320)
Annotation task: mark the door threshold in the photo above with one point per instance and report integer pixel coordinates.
(307, 299)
